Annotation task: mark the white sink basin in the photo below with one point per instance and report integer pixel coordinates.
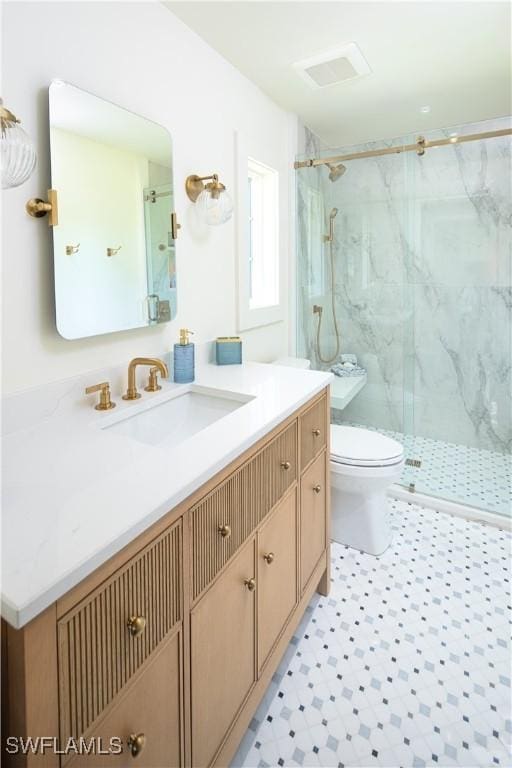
(179, 417)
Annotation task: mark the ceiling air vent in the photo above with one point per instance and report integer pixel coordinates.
(334, 66)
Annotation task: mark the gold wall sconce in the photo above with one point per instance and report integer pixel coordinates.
(113, 251)
(214, 202)
(17, 149)
(71, 249)
(37, 208)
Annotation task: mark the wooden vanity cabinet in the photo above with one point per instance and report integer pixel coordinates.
(177, 637)
(112, 632)
(277, 592)
(222, 631)
(148, 715)
(313, 522)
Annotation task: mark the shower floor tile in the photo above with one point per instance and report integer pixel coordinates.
(466, 475)
(405, 663)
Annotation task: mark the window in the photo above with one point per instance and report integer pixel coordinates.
(260, 268)
(263, 236)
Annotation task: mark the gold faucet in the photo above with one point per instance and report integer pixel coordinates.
(105, 403)
(131, 392)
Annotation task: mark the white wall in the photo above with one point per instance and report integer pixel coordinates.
(115, 287)
(140, 56)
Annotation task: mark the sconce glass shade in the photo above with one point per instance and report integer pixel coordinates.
(18, 154)
(215, 209)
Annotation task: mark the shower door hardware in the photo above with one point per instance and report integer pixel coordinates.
(37, 208)
(153, 196)
(413, 463)
(420, 146)
(175, 226)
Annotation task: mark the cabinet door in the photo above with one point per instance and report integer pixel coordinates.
(150, 709)
(222, 654)
(314, 430)
(312, 517)
(98, 652)
(277, 574)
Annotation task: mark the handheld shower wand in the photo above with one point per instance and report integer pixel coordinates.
(330, 237)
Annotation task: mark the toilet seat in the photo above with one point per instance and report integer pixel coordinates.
(353, 446)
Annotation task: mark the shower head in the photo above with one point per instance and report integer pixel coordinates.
(336, 171)
(333, 213)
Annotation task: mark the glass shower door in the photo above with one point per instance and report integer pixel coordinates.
(411, 475)
(457, 339)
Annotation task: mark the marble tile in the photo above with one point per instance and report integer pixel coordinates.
(423, 291)
(472, 476)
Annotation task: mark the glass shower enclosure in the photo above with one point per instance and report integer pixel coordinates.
(422, 291)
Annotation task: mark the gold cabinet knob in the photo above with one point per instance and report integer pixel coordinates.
(317, 432)
(225, 531)
(136, 625)
(317, 488)
(269, 558)
(136, 743)
(285, 465)
(250, 584)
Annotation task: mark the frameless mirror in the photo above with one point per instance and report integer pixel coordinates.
(114, 248)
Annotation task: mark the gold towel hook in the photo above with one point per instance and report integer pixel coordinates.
(71, 249)
(113, 251)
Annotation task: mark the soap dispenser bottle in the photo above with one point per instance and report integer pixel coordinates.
(184, 358)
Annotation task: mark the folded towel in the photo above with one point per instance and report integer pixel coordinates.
(348, 369)
(348, 359)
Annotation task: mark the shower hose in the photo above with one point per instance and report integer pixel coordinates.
(335, 321)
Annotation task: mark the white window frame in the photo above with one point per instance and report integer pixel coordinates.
(251, 314)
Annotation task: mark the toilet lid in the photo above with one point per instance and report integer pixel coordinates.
(363, 447)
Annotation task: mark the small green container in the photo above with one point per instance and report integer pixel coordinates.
(228, 350)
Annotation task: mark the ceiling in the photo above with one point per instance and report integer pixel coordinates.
(453, 57)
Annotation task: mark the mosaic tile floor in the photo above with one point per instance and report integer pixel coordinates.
(406, 663)
(471, 476)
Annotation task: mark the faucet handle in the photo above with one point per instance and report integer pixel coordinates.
(153, 385)
(105, 403)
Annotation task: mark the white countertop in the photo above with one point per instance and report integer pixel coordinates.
(75, 494)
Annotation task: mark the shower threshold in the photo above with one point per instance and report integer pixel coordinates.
(466, 511)
(473, 478)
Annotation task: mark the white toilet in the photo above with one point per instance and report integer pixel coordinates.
(363, 465)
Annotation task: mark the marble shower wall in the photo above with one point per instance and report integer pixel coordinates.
(423, 284)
